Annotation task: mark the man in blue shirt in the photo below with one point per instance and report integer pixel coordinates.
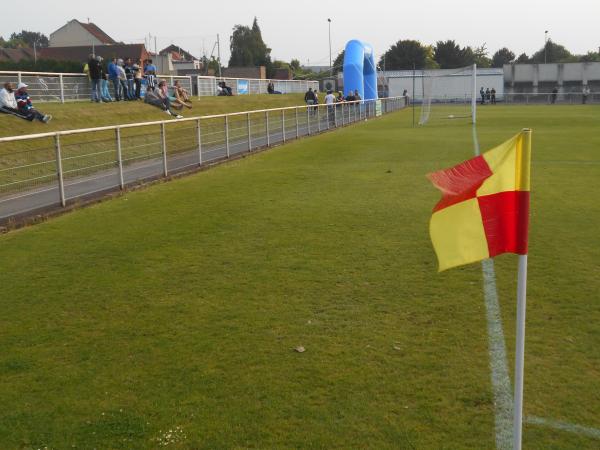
(113, 76)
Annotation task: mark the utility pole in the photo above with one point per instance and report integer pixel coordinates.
(34, 53)
(219, 54)
(330, 66)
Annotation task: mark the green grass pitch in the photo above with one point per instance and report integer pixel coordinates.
(170, 315)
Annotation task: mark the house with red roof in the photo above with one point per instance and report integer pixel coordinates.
(76, 33)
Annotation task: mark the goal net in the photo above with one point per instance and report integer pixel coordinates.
(448, 94)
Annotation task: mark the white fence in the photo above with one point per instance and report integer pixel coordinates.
(207, 86)
(49, 169)
(62, 87)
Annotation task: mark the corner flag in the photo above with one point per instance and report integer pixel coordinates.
(484, 210)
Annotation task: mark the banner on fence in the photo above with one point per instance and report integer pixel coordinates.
(242, 87)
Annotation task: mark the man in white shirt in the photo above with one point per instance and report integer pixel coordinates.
(8, 102)
(330, 101)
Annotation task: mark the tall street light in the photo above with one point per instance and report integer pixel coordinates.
(545, 44)
(330, 66)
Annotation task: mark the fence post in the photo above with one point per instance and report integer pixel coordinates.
(227, 134)
(334, 106)
(267, 127)
(343, 114)
(283, 123)
(170, 81)
(62, 88)
(249, 133)
(199, 134)
(297, 126)
(308, 119)
(318, 119)
(59, 170)
(163, 138)
(119, 157)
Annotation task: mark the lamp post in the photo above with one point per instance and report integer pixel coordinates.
(330, 66)
(545, 44)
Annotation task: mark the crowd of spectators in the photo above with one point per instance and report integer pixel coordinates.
(132, 81)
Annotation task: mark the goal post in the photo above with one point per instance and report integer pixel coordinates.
(449, 94)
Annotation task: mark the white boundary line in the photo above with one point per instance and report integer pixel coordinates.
(501, 386)
(564, 426)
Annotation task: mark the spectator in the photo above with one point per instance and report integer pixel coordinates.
(405, 95)
(309, 97)
(584, 94)
(137, 78)
(357, 95)
(160, 98)
(330, 102)
(350, 97)
(25, 106)
(340, 98)
(95, 75)
(493, 94)
(150, 74)
(488, 94)
(122, 80)
(8, 102)
(271, 88)
(182, 96)
(482, 93)
(104, 93)
(316, 108)
(86, 66)
(554, 95)
(113, 76)
(129, 71)
(223, 89)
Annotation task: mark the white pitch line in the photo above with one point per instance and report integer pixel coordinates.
(501, 386)
(564, 426)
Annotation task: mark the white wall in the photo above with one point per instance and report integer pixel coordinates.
(456, 86)
(71, 35)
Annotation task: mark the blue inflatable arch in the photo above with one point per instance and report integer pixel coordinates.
(360, 72)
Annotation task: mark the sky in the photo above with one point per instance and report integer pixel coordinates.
(299, 29)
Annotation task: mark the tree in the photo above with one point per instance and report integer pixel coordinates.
(406, 53)
(553, 53)
(590, 57)
(449, 55)
(30, 38)
(248, 48)
(480, 56)
(295, 64)
(338, 62)
(502, 56)
(522, 59)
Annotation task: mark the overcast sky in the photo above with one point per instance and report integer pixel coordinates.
(298, 29)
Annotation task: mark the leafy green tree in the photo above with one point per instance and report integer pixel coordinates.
(295, 65)
(338, 62)
(480, 56)
(449, 55)
(553, 53)
(406, 53)
(502, 56)
(248, 48)
(30, 37)
(590, 57)
(522, 59)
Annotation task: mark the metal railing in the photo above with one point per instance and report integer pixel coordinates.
(207, 86)
(533, 98)
(62, 87)
(41, 170)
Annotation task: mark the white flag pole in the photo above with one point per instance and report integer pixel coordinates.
(520, 351)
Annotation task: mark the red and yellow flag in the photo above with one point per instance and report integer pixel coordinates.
(484, 210)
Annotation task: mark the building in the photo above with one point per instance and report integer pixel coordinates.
(543, 78)
(76, 33)
(81, 53)
(15, 55)
(181, 62)
(245, 72)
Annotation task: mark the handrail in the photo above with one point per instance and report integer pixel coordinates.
(72, 74)
(160, 122)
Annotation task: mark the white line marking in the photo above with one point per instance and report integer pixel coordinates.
(564, 426)
(501, 386)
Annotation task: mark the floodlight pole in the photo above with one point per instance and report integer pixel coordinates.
(474, 96)
(330, 66)
(545, 44)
